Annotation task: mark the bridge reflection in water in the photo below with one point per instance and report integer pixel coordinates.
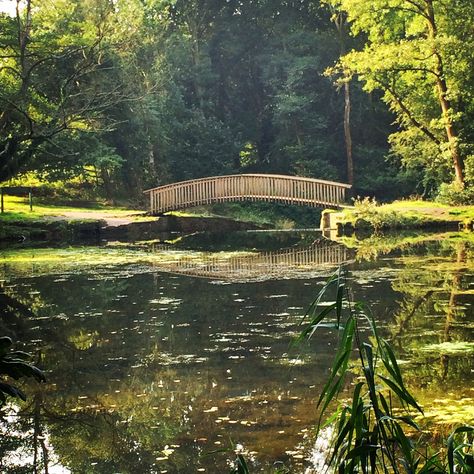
(294, 262)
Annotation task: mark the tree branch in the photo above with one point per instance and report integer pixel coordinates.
(408, 113)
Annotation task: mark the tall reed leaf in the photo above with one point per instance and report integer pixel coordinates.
(370, 434)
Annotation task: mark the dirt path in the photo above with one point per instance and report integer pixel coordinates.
(110, 218)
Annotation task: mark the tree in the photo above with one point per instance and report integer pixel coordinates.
(54, 63)
(416, 53)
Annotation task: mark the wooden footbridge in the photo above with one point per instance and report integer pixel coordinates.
(294, 262)
(243, 187)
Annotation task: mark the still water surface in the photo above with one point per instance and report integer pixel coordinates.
(157, 356)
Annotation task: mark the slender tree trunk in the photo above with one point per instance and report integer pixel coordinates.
(444, 102)
(196, 55)
(347, 133)
(340, 21)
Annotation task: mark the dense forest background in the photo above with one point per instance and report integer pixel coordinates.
(121, 95)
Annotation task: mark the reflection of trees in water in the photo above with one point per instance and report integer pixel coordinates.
(87, 412)
(121, 428)
(120, 415)
(117, 348)
(455, 310)
(135, 407)
(13, 314)
(433, 314)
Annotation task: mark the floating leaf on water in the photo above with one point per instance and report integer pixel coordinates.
(164, 300)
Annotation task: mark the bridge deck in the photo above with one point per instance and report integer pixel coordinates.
(253, 187)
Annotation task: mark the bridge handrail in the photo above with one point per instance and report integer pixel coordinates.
(249, 175)
(238, 187)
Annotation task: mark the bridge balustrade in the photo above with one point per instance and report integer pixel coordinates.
(253, 187)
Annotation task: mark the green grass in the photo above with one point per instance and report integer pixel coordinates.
(18, 209)
(404, 214)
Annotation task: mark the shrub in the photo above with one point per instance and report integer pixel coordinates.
(455, 195)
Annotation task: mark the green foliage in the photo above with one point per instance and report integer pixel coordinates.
(56, 84)
(133, 94)
(373, 431)
(369, 214)
(277, 215)
(455, 195)
(153, 92)
(408, 55)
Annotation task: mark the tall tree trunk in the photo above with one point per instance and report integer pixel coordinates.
(444, 102)
(347, 133)
(340, 22)
(194, 27)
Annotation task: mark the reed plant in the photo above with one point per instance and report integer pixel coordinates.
(375, 430)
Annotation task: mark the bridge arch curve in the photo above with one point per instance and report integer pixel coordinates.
(243, 187)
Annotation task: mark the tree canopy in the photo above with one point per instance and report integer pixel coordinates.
(139, 93)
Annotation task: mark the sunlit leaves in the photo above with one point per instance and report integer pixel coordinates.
(413, 51)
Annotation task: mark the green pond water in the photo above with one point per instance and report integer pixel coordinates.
(158, 354)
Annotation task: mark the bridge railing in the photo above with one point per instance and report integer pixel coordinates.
(254, 187)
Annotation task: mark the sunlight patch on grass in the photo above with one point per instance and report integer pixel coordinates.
(18, 207)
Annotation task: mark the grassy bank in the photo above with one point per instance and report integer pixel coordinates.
(368, 215)
(49, 221)
(18, 208)
(56, 220)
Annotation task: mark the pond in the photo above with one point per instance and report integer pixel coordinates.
(158, 356)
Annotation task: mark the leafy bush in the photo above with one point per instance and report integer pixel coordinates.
(368, 214)
(453, 194)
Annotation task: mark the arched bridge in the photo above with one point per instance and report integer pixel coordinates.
(243, 187)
